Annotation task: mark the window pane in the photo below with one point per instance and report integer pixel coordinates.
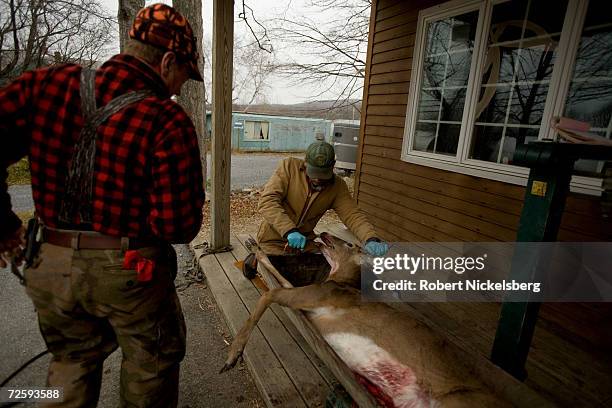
(452, 104)
(438, 34)
(545, 18)
(249, 130)
(495, 110)
(590, 94)
(424, 137)
(265, 128)
(254, 130)
(521, 53)
(485, 144)
(516, 136)
(489, 140)
(463, 31)
(503, 26)
(533, 61)
(527, 104)
(458, 68)
(536, 59)
(429, 104)
(492, 138)
(591, 101)
(508, 57)
(446, 68)
(433, 71)
(448, 139)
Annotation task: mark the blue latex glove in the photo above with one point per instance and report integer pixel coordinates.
(296, 240)
(376, 248)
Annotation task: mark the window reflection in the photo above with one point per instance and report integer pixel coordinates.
(522, 46)
(590, 93)
(446, 68)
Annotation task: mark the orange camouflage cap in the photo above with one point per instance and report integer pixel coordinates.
(162, 26)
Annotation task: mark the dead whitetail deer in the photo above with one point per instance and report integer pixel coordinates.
(394, 351)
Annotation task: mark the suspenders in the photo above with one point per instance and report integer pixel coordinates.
(77, 198)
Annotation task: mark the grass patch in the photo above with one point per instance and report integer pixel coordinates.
(25, 216)
(19, 173)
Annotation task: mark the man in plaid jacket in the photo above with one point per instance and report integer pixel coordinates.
(146, 192)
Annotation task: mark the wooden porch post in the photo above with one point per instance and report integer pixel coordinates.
(222, 62)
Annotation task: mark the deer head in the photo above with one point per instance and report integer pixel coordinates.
(344, 258)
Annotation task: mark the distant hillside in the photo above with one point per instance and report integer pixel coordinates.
(317, 109)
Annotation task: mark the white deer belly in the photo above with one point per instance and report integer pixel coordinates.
(369, 360)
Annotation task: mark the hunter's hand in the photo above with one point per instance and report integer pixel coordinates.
(12, 247)
(296, 240)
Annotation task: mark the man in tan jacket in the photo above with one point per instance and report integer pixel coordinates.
(296, 197)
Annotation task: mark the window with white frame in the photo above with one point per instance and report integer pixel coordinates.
(489, 75)
(447, 53)
(255, 130)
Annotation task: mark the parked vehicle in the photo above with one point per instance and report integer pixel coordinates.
(345, 140)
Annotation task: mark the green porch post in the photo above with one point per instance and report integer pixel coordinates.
(549, 179)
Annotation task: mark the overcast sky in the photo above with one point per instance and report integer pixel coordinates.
(281, 89)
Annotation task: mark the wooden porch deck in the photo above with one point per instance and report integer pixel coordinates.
(285, 369)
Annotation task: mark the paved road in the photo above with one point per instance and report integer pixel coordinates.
(254, 169)
(200, 386)
(21, 198)
(248, 170)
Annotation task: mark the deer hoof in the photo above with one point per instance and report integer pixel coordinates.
(231, 362)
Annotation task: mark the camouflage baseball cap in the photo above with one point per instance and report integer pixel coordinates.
(320, 160)
(162, 26)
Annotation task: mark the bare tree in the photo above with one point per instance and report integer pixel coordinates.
(36, 33)
(125, 14)
(330, 55)
(193, 94)
(253, 69)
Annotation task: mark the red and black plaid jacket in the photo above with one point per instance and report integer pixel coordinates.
(147, 177)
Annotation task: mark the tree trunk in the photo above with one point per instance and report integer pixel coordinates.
(125, 14)
(192, 97)
(30, 45)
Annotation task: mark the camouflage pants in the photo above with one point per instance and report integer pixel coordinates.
(88, 306)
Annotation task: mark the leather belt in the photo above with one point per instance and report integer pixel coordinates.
(93, 240)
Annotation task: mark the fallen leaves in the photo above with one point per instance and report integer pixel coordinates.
(244, 217)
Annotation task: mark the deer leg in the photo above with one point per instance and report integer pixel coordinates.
(305, 297)
(253, 246)
(265, 261)
(240, 341)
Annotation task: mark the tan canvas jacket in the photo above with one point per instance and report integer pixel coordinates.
(287, 203)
